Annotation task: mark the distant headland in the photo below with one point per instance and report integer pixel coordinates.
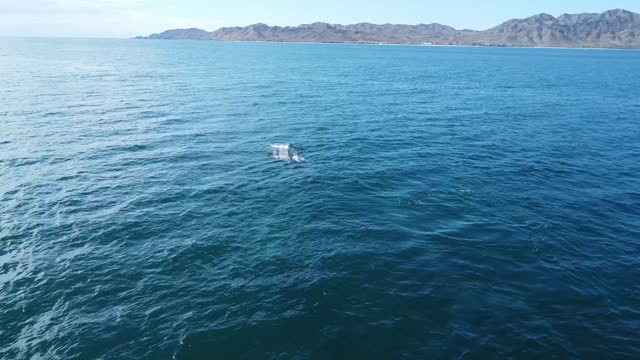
(615, 29)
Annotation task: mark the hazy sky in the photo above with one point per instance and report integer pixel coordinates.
(127, 18)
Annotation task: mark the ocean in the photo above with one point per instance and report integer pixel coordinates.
(210, 200)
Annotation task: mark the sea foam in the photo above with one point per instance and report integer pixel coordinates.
(286, 153)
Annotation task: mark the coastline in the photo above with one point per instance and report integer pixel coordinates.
(394, 44)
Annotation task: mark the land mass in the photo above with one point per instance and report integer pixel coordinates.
(618, 29)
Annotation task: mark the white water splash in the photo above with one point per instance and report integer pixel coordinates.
(286, 153)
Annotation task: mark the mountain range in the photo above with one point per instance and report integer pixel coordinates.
(611, 29)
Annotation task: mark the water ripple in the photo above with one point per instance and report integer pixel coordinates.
(453, 202)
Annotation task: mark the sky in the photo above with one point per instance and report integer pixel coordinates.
(128, 18)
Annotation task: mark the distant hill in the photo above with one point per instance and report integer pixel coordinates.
(611, 29)
(178, 34)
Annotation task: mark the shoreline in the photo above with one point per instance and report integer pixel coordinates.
(393, 44)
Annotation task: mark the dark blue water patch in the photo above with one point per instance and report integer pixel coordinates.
(453, 202)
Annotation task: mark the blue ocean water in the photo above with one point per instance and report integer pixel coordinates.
(205, 200)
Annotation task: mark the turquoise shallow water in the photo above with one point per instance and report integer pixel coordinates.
(465, 203)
